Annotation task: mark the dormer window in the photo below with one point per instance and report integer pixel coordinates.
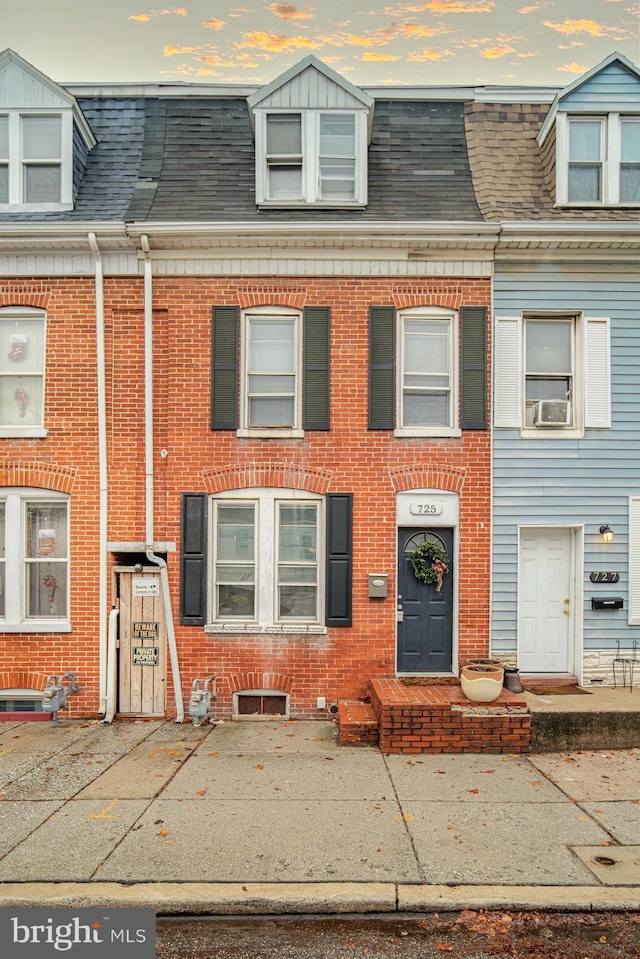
(603, 160)
(31, 159)
(590, 139)
(44, 140)
(312, 130)
(585, 160)
(35, 169)
(311, 156)
(630, 160)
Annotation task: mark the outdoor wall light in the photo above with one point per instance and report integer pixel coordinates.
(607, 534)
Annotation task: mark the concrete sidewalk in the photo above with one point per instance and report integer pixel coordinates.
(275, 817)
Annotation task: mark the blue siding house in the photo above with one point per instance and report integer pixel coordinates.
(566, 445)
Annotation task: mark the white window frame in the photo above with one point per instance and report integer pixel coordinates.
(310, 135)
(610, 153)
(274, 432)
(591, 374)
(575, 373)
(15, 619)
(436, 314)
(38, 429)
(266, 502)
(633, 616)
(17, 165)
(22, 695)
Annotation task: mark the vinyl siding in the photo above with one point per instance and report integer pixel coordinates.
(613, 89)
(580, 482)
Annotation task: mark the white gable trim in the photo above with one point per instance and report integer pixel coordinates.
(257, 98)
(16, 94)
(566, 91)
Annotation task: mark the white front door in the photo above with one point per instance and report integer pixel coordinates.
(545, 601)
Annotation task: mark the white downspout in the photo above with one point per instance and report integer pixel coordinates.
(149, 478)
(112, 654)
(102, 471)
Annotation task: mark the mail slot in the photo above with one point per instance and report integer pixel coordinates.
(607, 602)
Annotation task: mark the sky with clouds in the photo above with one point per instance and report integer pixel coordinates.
(540, 42)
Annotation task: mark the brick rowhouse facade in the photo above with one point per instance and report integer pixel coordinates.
(165, 237)
(373, 465)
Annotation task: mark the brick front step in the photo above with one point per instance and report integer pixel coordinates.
(440, 719)
(357, 723)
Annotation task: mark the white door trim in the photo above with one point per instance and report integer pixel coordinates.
(407, 514)
(576, 585)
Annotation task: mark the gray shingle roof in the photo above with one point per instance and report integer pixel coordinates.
(113, 166)
(191, 158)
(418, 167)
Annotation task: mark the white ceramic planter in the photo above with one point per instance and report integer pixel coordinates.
(481, 684)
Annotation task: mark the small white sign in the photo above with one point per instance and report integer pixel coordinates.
(426, 509)
(146, 587)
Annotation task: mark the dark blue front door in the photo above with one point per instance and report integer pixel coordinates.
(425, 615)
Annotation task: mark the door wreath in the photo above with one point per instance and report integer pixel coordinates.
(430, 563)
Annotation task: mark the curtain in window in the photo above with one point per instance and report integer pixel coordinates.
(46, 559)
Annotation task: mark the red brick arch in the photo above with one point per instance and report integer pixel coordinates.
(255, 679)
(449, 478)
(23, 679)
(37, 475)
(17, 295)
(260, 475)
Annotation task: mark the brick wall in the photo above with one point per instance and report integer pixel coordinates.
(373, 465)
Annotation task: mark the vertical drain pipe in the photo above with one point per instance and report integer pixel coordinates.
(149, 478)
(102, 471)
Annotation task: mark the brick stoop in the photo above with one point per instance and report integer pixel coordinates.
(440, 719)
(357, 723)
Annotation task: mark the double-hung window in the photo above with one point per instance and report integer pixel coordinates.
(267, 558)
(427, 372)
(270, 370)
(549, 371)
(272, 387)
(34, 560)
(586, 160)
(599, 160)
(552, 374)
(22, 372)
(311, 156)
(35, 161)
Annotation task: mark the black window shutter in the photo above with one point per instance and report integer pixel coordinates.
(224, 368)
(316, 368)
(339, 558)
(473, 380)
(382, 323)
(193, 561)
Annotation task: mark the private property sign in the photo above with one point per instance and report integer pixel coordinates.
(144, 655)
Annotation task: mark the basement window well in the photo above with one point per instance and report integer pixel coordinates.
(20, 704)
(258, 704)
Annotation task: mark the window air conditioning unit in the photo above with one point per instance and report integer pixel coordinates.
(552, 413)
